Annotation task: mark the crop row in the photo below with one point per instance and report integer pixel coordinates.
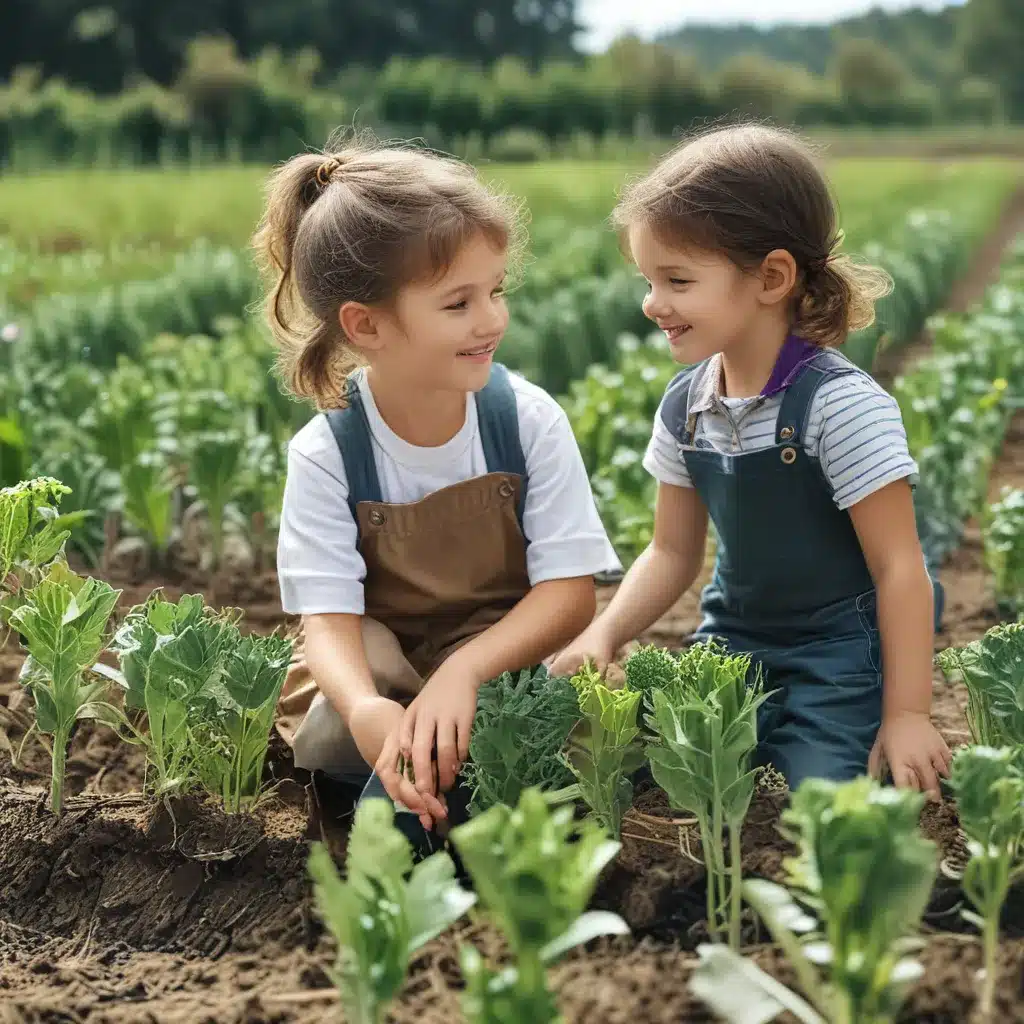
(199, 696)
(154, 402)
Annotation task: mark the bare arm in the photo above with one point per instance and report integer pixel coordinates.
(337, 661)
(887, 531)
(549, 616)
(665, 570)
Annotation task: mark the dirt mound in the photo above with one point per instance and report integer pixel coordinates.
(181, 878)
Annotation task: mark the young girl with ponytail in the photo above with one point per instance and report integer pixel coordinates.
(438, 526)
(799, 458)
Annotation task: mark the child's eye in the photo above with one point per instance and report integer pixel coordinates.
(461, 304)
(679, 280)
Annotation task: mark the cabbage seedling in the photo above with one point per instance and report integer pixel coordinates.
(1004, 548)
(992, 669)
(989, 787)
(706, 733)
(172, 661)
(63, 620)
(231, 764)
(865, 870)
(534, 869)
(32, 534)
(377, 917)
(604, 749)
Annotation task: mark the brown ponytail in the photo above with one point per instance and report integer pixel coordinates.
(355, 225)
(838, 297)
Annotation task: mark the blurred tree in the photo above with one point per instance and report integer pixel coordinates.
(992, 41)
(104, 45)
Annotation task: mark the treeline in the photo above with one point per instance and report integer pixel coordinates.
(106, 46)
(221, 105)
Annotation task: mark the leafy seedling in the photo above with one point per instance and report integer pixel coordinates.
(384, 910)
(63, 621)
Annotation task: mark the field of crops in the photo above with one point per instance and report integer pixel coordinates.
(186, 876)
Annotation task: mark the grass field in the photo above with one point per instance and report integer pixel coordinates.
(75, 231)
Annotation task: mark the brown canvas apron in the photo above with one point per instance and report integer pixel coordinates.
(439, 571)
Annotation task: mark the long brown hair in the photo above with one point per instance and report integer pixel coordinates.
(746, 190)
(355, 224)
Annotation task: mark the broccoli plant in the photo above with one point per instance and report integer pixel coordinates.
(63, 620)
(991, 669)
(650, 668)
(705, 725)
(377, 915)
(604, 748)
(1004, 549)
(520, 728)
(534, 870)
(989, 787)
(865, 871)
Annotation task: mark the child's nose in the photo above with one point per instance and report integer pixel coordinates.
(654, 307)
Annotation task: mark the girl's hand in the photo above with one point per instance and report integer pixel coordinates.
(441, 719)
(914, 751)
(392, 770)
(590, 646)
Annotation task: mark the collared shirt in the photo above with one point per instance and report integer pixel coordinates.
(854, 428)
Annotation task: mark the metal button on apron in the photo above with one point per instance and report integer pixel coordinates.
(377, 518)
(786, 433)
(506, 490)
(789, 456)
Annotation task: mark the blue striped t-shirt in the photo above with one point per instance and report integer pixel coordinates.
(854, 429)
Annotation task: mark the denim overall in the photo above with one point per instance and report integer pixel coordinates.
(791, 586)
(439, 572)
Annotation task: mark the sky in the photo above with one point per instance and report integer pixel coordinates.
(607, 19)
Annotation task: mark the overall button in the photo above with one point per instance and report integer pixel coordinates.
(786, 433)
(789, 456)
(506, 490)
(377, 518)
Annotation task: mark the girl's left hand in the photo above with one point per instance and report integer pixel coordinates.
(914, 751)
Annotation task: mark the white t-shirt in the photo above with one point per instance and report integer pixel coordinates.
(854, 430)
(319, 567)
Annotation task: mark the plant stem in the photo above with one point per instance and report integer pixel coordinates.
(988, 982)
(735, 880)
(61, 736)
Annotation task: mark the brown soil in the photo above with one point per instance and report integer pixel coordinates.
(125, 912)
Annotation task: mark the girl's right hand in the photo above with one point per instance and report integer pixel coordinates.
(590, 646)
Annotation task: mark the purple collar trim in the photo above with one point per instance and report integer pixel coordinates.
(793, 356)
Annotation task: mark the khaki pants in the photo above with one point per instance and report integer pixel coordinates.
(316, 732)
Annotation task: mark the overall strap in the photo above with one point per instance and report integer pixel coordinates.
(675, 406)
(351, 430)
(498, 419)
(799, 396)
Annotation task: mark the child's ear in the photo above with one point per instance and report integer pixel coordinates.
(779, 275)
(359, 322)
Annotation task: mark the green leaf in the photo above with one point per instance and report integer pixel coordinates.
(739, 992)
(588, 926)
(434, 900)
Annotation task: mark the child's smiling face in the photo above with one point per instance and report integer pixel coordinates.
(442, 333)
(701, 300)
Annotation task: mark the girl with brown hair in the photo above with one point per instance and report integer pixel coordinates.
(799, 458)
(438, 526)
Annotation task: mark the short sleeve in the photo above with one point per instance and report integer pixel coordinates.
(566, 537)
(662, 459)
(861, 442)
(319, 566)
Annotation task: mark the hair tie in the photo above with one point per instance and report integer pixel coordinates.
(325, 170)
